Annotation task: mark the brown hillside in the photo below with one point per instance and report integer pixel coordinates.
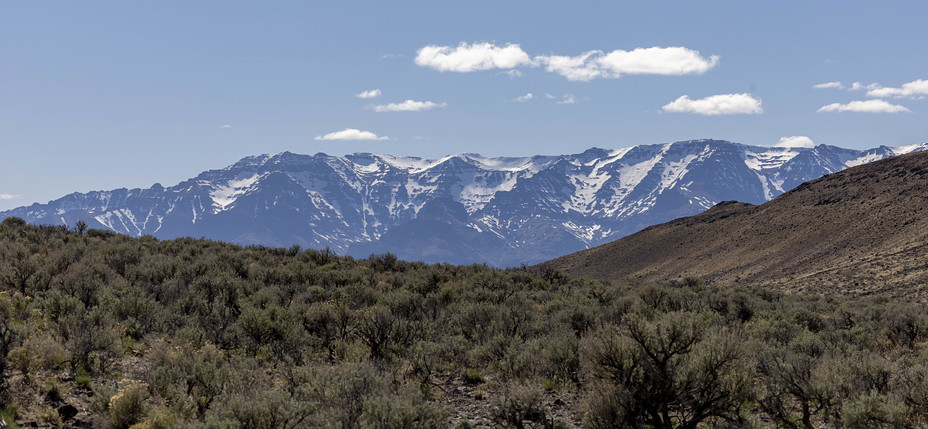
(859, 231)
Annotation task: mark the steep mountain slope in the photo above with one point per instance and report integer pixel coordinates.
(462, 208)
(858, 231)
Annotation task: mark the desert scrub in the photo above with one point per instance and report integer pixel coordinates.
(127, 406)
(239, 336)
(472, 376)
(519, 402)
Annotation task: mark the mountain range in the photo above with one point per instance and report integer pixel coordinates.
(462, 208)
(860, 231)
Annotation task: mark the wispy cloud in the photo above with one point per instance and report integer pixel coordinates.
(225, 126)
(867, 106)
(568, 99)
(795, 141)
(523, 98)
(9, 196)
(915, 89)
(579, 68)
(369, 94)
(472, 57)
(409, 106)
(857, 86)
(722, 104)
(351, 134)
(827, 85)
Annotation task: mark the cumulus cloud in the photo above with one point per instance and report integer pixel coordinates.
(868, 106)
(795, 141)
(351, 134)
(472, 57)
(409, 106)
(672, 61)
(523, 98)
(669, 61)
(8, 196)
(914, 89)
(826, 85)
(722, 104)
(369, 94)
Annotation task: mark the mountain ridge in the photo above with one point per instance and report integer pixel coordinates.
(859, 231)
(503, 210)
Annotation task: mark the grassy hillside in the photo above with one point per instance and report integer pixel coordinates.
(860, 231)
(104, 330)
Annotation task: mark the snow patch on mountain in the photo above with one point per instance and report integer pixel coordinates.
(770, 159)
(225, 194)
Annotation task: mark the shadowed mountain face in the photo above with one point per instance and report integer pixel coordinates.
(859, 231)
(462, 208)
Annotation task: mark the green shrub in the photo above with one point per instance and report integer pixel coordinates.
(403, 409)
(678, 361)
(52, 390)
(82, 379)
(872, 410)
(23, 360)
(472, 376)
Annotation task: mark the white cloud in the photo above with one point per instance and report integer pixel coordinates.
(409, 106)
(8, 197)
(868, 106)
(549, 96)
(655, 60)
(225, 126)
(672, 61)
(512, 73)
(474, 57)
(579, 68)
(568, 99)
(369, 94)
(351, 134)
(914, 89)
(722, 104)
(523, 98)
(826, 85)
(795, 141)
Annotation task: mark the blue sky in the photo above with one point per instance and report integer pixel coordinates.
(107, 94)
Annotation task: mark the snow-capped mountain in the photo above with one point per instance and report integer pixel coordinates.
(461, 208)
